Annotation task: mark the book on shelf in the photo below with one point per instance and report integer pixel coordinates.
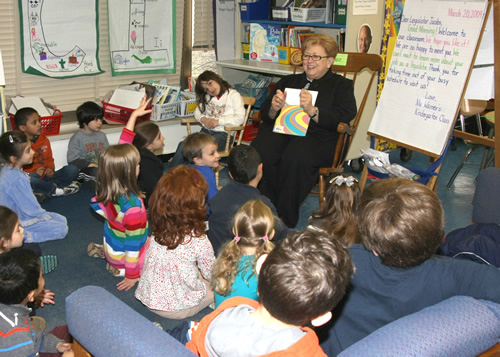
(264, 42)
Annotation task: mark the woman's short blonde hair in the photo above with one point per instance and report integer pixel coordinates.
(327, 42)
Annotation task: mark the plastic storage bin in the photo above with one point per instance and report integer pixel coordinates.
(50, 124)
(308, 14)
(121, 115)
(258, 10)
(258, 93)
(164, 111)
(186, 107)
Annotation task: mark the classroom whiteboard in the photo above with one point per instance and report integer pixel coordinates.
(428, 70)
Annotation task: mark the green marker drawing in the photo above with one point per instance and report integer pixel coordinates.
(148, 59)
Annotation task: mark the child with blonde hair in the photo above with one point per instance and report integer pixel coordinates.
(119, 201)
(234, 270)
(178, 265)
(336, 215)
(15, 191)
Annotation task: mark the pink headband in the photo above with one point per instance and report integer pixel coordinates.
(237, 238)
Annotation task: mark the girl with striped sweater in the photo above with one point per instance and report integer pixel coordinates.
(119, 201)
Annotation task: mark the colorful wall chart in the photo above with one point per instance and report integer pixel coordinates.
(142, 36)
(59, 40)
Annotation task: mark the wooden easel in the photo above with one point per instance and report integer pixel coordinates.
(432, 155)
(3, 110)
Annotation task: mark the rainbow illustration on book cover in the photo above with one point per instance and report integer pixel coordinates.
(292, 121)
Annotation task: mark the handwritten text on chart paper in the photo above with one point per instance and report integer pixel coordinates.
(427, 56)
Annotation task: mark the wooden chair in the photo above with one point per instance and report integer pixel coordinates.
(232, 132)
(356, 63)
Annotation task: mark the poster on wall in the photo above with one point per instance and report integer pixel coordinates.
(142, 36)
(427, 73)
(57, 40)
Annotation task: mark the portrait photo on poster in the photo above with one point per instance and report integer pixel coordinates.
(364, 38)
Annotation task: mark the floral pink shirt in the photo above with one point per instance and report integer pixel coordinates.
(170, 280)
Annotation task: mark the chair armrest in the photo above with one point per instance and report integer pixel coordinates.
(189, 121)
(233, 128)
(344, 128)
(106, 326)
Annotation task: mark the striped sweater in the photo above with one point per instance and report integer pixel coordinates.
(18, 338)
(125, 233)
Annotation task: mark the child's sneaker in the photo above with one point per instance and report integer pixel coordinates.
(48, 263)
(38, 323)
(114, 271)
(95, 250)
(72, 188)
(83, 177)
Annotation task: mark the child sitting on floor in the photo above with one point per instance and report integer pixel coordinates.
(336, 215)
(15, 191)
(11, 236)
(245, 170)
(147, 138)
(200, 150)
(21, 280)
(401, 224)
(178, 265)
(86, 144)
(234, 270)
(302, 279)
(45, 181)
(119, 201)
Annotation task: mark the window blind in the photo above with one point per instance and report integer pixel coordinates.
(67, 94)
(203, 26)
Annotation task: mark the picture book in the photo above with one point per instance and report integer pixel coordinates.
(173, 95)
(264, 42)
(161, 92)
(293, 120)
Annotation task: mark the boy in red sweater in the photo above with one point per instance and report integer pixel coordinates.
(301, 281)
(45, 181)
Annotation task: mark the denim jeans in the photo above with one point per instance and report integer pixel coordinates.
(61, 178)
(53, 227)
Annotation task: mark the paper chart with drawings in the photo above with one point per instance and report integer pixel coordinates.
(59, 40)
(427, 73)
(142, 36)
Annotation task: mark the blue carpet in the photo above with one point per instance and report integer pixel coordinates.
(76, 269)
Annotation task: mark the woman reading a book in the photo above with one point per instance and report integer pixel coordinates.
(291, 163)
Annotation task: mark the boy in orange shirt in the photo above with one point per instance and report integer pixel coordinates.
(45, 181)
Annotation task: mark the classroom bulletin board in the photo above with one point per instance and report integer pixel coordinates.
(429, 67)
(58, 39)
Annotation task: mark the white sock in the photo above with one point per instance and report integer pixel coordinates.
(58, 192)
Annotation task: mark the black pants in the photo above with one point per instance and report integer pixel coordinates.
(291, 167)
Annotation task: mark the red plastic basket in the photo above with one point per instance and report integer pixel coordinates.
(119, 114)
(50, 124)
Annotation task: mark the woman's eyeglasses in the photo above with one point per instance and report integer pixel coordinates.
(314, 57)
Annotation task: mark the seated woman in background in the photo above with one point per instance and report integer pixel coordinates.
(291, 163)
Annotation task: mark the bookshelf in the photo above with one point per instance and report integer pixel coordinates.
(310, 24)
